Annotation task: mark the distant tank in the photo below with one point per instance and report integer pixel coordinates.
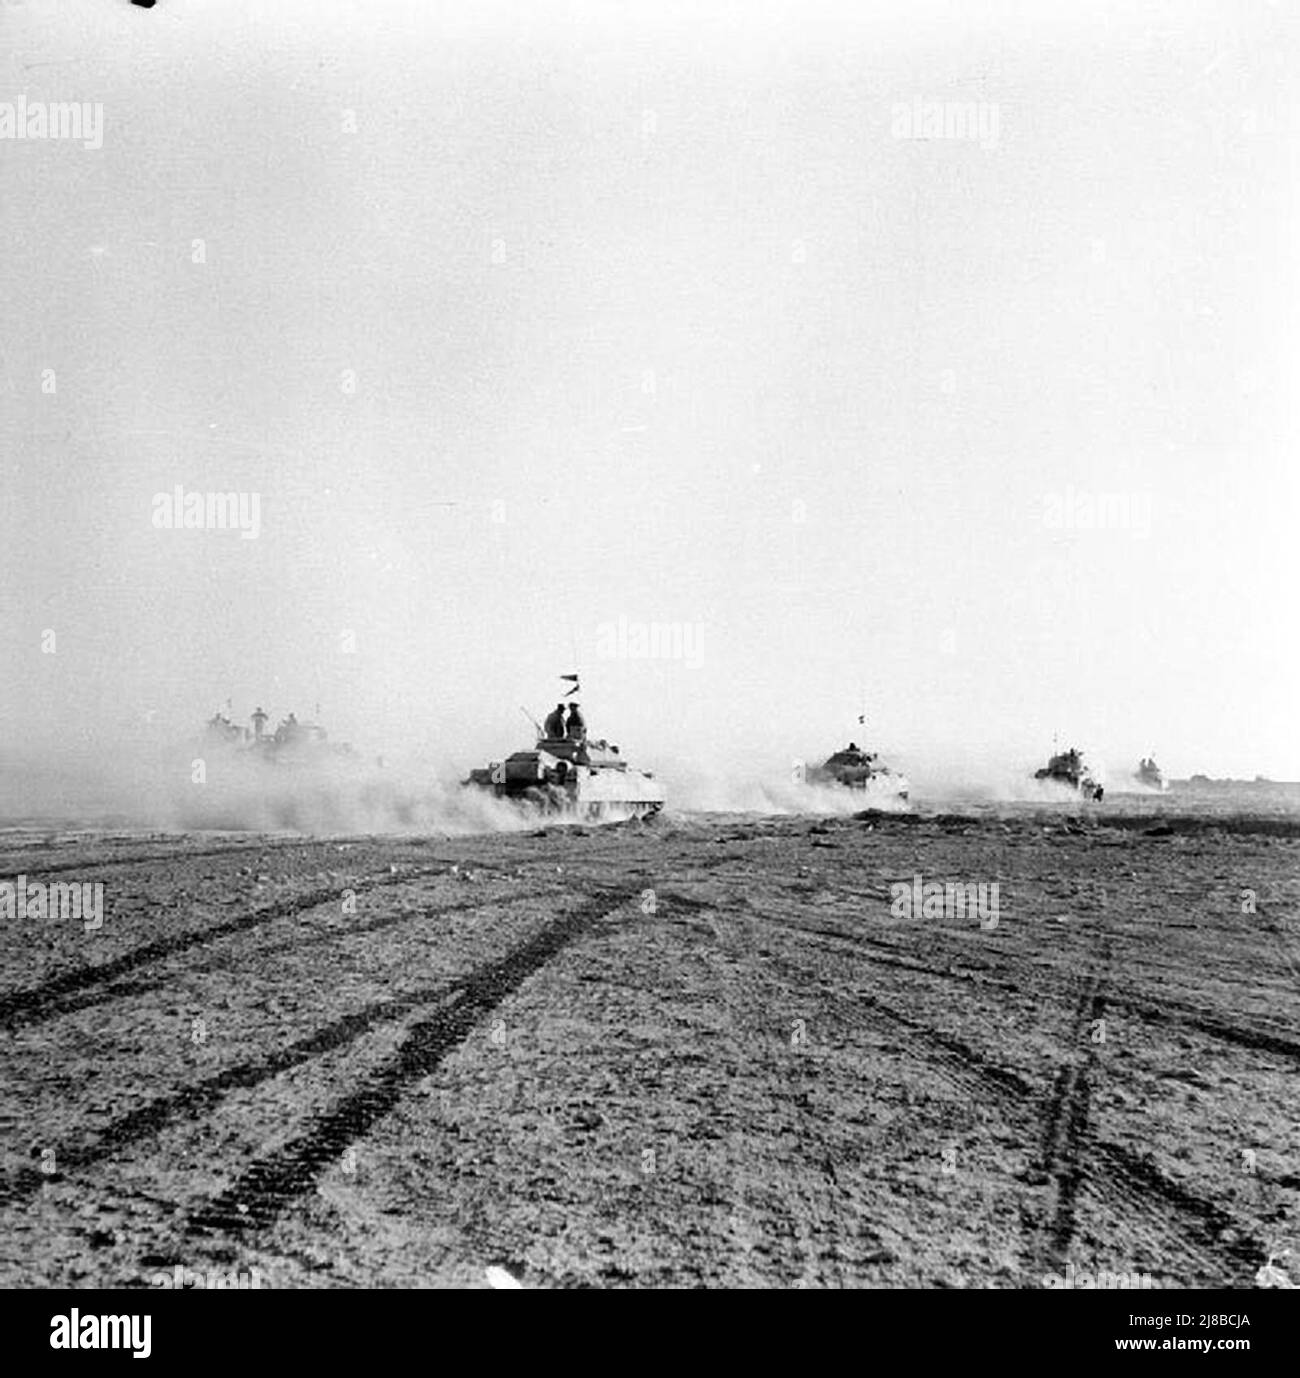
(1068, 768)
(571, 777)
(856, 769)
(1148, 774)
(292, 743)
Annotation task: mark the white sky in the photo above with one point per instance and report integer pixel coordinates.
(660, 280)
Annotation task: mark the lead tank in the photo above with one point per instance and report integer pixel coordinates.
(574, 778)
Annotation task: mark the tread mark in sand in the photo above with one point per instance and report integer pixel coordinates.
(194, 1101)
(136, 859)
(1064, 1129)
(262, 1193)
(1186, 1224)
(1252, 1034)
(46, 1001)
(1183, 1013)
(127, 989)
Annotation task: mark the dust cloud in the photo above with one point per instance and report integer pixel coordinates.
(98, 782)
(189, 786)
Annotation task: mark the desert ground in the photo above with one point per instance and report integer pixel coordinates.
(696, 1051)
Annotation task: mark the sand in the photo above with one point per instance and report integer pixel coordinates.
(703, 1051)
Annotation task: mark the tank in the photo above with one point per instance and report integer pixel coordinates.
(576, 778)
(293, 743)
(1068, 768)
(1148, 774)
(856, 769)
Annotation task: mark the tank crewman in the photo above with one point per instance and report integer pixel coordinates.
(575, 729)
(555, 724)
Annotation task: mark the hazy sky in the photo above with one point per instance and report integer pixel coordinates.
(664, 301)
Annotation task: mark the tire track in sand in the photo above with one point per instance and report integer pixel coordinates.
(173, 855)
(127, 989)
(265, 1190)
(194, 1101)
(1065, 1127)
(38, 1004)
(1175, 1222)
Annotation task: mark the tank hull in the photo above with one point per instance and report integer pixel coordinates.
(880, 783)
(570, 780)
(1068, 769)
(1151, 778)
(857, 770)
